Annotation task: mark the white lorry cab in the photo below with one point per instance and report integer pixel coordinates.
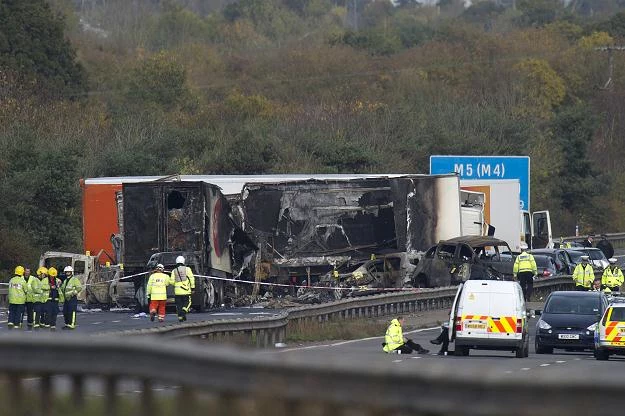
(489, 315)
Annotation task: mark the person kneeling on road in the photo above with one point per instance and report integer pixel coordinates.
(394, 340)
(157, 293)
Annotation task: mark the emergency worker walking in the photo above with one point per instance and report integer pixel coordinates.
(70, 288)
(524, 270)
(33, 292)
(583, 275)
(184, 284)
(18, 289)
(52, 303)
(394, 340)
(612, 276)
(157, 293)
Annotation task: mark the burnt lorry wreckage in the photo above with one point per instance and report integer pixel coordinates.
(162, 220)
(307, 229)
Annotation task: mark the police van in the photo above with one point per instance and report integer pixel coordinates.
(610, 331)
(489, 315)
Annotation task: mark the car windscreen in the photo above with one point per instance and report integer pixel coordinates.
(575, 256)
(577, 305)
(596, 254)
(618, 315)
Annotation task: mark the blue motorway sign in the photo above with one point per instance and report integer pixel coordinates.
(487, 168)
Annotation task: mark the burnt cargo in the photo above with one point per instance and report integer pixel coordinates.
(191, 217)
(312, 225)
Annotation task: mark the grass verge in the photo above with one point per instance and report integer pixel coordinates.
(339, 330)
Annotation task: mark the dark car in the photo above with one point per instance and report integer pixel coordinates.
(546, 266)
(562, 259)
(597, 258)
(451, 261)
(568, 321)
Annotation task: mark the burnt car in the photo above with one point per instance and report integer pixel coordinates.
(463, 258)
(562, 258)
(363, 278)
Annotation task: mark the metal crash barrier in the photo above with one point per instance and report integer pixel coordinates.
(266, 331)
(77, 375)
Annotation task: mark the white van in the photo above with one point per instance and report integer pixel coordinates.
(489, 315)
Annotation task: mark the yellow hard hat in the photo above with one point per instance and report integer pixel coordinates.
(53, 272)
(19, 270)
(41, 270)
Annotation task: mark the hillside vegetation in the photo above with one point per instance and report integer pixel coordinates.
(120, 87)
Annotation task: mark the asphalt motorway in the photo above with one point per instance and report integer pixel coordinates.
(97, 320)
(369, 351)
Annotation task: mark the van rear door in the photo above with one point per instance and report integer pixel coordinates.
(474, 310)
(541, 230)
(453, 313)
(504, 313)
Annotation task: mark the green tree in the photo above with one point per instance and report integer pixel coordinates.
(32, 42)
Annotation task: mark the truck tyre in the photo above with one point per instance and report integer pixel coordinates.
(208, 297)
(520, 352)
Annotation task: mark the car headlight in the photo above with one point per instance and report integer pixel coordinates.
(543, 325)
(592, 327)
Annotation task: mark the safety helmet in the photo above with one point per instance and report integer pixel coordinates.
(160, 267)
(41, 270)
(585, 258)
(180, 260)
(53, 272)
(19, 270)
(612, 260)
(68, 269)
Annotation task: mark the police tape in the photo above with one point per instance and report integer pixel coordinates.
(286, 285)
(102, 282)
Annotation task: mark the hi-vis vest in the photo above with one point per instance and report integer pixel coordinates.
(183, 280)
(394, 337)
(583, 276)
(157, 286)
(524, 263)
(612, 276)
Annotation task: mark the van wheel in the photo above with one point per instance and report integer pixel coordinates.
(520, 352)
(462, 351)
(602, 355)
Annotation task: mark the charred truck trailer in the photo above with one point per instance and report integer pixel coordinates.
(162, 220)
(306, 228)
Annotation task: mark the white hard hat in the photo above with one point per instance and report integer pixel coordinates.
(68, 269)
(523, 246)
(612, 260)
(179, 260)
(160, 267)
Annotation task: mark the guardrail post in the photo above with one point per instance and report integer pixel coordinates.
(147, 399)
(111, 395)
(46, 394)
(78, 390)
(16, 396)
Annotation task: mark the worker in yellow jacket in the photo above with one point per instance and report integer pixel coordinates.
(612, 276)
(583, 275)
(184, 284)
(157, 293)
(18, 290)
(394, 340)
(525, 270)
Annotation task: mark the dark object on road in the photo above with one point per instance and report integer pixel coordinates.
(568, 321)
(605, 246)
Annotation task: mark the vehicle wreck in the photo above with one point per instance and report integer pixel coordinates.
(305, 229)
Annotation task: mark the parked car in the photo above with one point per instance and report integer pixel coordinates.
(562, 258)
(569, 321)
(451, 261)
(597, 258)
(546, 266)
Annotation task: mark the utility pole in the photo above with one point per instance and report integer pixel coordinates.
(609, 85)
